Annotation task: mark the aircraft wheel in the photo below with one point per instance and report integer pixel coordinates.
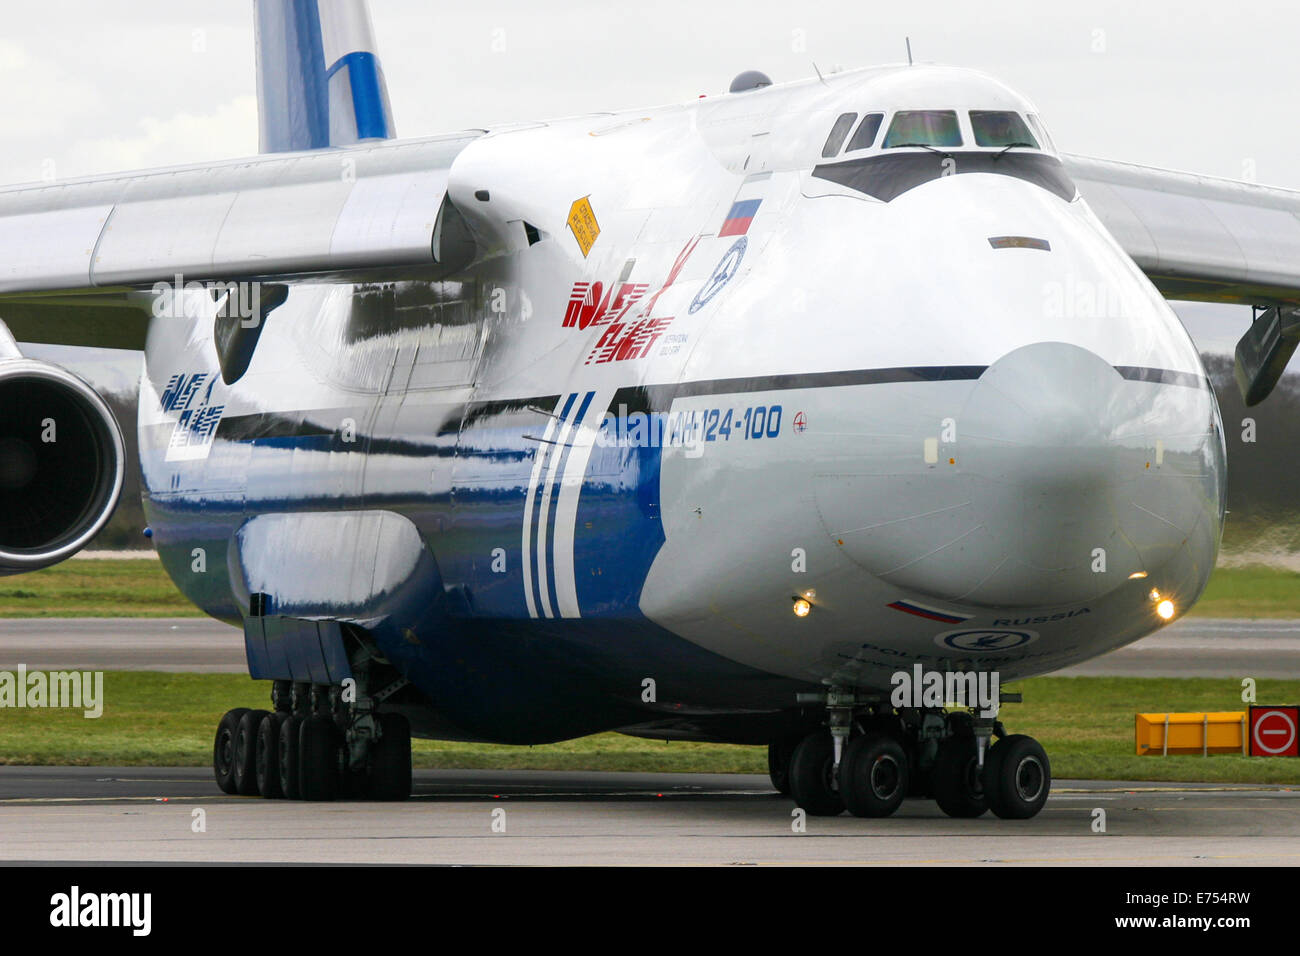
(779, 754)
(958, 786)
(245, 767)
(290, 729)
(1017, 777)
(873, 775)
(811, 776)
(390, 759)
(223, 750)
(318, 759)
(268, 755)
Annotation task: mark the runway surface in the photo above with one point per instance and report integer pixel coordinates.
(1192, 647)
(83, 814)
(196, 644)
(1206, 647)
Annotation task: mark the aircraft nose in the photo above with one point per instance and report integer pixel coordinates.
(1060, 477)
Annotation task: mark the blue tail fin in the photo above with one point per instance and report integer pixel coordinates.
(319, 82)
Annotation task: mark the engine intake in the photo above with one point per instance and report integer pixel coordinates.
(62, 462)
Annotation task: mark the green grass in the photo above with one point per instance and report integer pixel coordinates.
(130, 587)
(1086, 724)
(141, 588)
(1254, 591)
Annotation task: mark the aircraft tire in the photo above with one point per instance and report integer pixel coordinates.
(268, 755)
(1017, 777)
(811, 769)
(318, 759)
(958, 786)
(390, 759)
(779, 754)
(873, 775)
(245, 762)
(223, 750)
(288, 761)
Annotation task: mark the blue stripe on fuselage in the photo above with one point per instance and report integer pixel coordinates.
(578, 420)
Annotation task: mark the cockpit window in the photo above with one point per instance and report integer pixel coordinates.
(866, 134)
(838, 132)
(1044, 136)
(1001, 128)
(923, 128)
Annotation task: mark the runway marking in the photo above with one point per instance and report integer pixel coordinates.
(1004, 861)
(58, 800)
(1233, 788)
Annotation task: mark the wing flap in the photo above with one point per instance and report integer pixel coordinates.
(74, 256)
(56, 246)
(294, 214)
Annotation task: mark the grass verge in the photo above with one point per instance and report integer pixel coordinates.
(127, 587)
(1086, 724)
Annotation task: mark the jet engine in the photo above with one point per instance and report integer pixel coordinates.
(61, 462)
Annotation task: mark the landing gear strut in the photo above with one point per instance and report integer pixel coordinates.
(868, 757)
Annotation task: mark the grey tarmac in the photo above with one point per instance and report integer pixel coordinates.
(1192, 647)
(90, 814)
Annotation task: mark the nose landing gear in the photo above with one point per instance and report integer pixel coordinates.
(886, 755)
(1017, 777)
(873, 775)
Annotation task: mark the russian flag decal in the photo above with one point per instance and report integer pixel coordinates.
(932, 613)
(745, 206)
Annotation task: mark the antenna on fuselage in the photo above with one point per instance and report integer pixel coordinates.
(908, 40)
(819, 73)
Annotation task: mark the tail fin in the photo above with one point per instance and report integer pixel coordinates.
(319, 82)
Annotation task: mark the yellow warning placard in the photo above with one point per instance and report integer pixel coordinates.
(582, 220)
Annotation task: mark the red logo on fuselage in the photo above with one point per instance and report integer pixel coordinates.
(590, 303)
(631, 334)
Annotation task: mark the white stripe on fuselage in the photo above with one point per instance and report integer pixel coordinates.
(543, 585)
(566, 509)
(526, 548)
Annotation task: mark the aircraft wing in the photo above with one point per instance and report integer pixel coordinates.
(75, 256)
(1198, 237)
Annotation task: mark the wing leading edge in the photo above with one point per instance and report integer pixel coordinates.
(1198, 237)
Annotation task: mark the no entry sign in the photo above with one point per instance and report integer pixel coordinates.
(1273, 731)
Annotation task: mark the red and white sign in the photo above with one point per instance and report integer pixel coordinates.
(1273, 731)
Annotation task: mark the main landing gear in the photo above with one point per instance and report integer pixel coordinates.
(868, 757)
(314, 745)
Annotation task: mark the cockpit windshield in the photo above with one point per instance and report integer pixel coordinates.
(1001, 128)
(923, 128)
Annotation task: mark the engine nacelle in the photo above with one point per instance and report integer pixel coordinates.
(62, 463)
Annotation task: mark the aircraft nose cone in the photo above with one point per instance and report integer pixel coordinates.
(1054, 457)
(1060, 476)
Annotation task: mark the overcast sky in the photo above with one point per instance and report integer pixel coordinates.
(89, 87)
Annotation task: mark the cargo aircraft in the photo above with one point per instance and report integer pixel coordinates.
(697, 422)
